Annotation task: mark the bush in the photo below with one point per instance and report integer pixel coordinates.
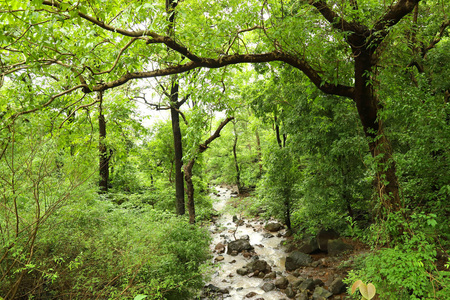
(98, 250)
(408, 269)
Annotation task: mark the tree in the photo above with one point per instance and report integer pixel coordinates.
(190, 165)
(350, 40)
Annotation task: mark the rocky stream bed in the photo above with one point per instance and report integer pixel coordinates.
(255, 263)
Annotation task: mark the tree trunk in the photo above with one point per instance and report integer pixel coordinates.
(190, 190)
(190, 165)
(258, 148)
(178, 148)
(367, 104)
(236, 165)
(103, 152)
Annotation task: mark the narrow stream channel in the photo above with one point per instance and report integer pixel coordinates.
(266, 248)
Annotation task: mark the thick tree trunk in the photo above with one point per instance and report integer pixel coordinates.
(103, 152)
(178, 148)
(367, 104)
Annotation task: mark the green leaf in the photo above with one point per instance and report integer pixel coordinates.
(138, 297)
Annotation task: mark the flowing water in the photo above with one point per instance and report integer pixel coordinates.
(268, 249)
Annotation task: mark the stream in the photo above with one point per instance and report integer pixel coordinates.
(266, 246)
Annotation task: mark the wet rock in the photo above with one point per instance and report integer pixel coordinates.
(234, 253)
(219, 258)
(308, 245)
(211, 288)
(307, 284)
(220, 248)
(268, 286)
(336, 247)
(259, 265)
(289, 292)
(270, 275)
(281, 283)
(321, 294)
(337, 286)
(242, 271)
(324, 236)
(239, 246)
(297, 260)
(268, 235)
(251, 294)
(273, 227)
(233, 261)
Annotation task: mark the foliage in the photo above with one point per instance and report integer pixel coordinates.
(98, 250)
(407, 270)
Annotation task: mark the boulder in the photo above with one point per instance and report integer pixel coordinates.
(321, 294)
(220, 248)
(273, 226)
(297, 260)
(289, 292)
(281, 283)
(242, 271)
(268, 286)
(324, 236)
(259, 265)
(337, 286)
(267, 235)
(308, 245)
(302, 296)
(251, 294)
(307, 284)
(337, 247)
(239, 246)
(270, 275)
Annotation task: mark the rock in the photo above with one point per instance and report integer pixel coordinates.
(240, 222)
(321, 294)
(302, 296)
(295, 284)
(235, 219)
(212, 288)
(219, 258)
(270, 275)
(251, 294)
(337, 286)
(324, 236)
(307, 284)
(268, 286)
(268, 235)
(273, 227)
(234, 253)
(308, 245)
(220, 248)
(242, 271)
(318, 282)
(289, 292)
(296, 260)
(281, 283)
(245, 237)
(239, 246)
(259, 265)
(336, 247)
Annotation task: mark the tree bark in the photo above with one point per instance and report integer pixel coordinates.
(190, 165)
(258, 148)
(178, 149)
(103, 151)
(236, 165)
